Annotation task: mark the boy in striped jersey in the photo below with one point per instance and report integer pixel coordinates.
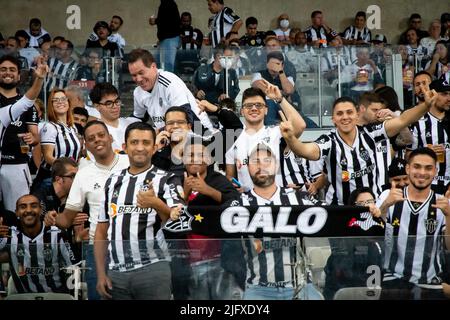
(350, 151)
(137, 202)
(416, 220)
(37, 253)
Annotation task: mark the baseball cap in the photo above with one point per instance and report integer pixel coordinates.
(441, 85)
(378, 38)
(259, 146)
(101, 24)
(397, 168)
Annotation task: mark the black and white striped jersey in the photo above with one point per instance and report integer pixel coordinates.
(135, 234)
(64, 138)
(271, 261)
(357, 34)
(352, 167)
(169, 91)
(222, 23)
(330, 58)
(413, 239)
(431, 130)
(294, 170)
(9, 113)
(37, 265)
(60, 73)
(313, 34)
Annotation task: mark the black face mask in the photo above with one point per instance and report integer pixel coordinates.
(8, 86)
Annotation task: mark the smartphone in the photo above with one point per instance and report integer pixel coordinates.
(236, 182)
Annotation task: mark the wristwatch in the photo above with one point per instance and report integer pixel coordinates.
(280, 100)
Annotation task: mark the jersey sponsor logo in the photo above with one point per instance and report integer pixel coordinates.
(365, 221)
(35, 271)
(237, 220)
(17, 123)
(442, 178)
(382, 149)
(184, 223)
(113, 211)
(130, 209)
(347, 176)
(279, 243)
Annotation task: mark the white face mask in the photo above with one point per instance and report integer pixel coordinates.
(226, 63)
(284, 23)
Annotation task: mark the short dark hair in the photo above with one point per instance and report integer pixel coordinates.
(423, 72)
(253, 92)
(422, 151)
(119, 18)
(59, 166)
(414, 16)
(100, 90)
(35, 22)
(275, 55)
(93, 123)
(368, 98)
(177, 109)
(187, 14)
(219, 1)
(315, 13)
(27, 195)
(389, 97)
(69, 44)
(81, 111)
(228, 103)
(59, 38)
(343, 100)
(143, 126)
(141, 54)
(11, 59)
(23, 34)
(250, 20)
(355, 193)
(361, 14)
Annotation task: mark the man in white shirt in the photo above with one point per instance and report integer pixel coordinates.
(88, 187)
(107, 101)
(159, 90)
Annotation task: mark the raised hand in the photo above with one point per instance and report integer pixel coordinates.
(41, 69)
(50, 218)
(80, 219)
(4, 230)
(374, 210)
(286, 128)
(162, 139)
(395, 195)
(205, 105)
(271, 91)
(175, 212)
(145, 199)
(430, 96)
(442, 203)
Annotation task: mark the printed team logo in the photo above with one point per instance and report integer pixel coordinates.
(234, 203)
(145, 186)
(431, 225)
(344, 162)
(48, 253)
(97, 186)
(345, 176)
(365, 221)
(364, 155)
(183, 224)
(428, 135)
(266, 139)
(113, 210)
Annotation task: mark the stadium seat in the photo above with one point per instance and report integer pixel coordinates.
(40, 296)
(357, 293)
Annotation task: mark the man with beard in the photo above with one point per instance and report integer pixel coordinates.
(432, 131)
(15, 177)
(415, 223)
(37, 253)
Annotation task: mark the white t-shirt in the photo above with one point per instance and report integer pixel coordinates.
(88, 185)
(93, 112)
(238, 153)
(169, 91)
(118, 133)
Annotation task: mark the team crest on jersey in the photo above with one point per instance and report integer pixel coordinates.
(145, 186)
(428, 135)
(20, 252)
(364, 155)
(48, 253)
(365, 221)
(183, 224)
(344, 162)
(431, 225)
(97, 186)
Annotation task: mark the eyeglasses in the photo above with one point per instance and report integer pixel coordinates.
(365, 203)
(59, 100)
(178, 122)
(110, 104)
(250, 105)
(69, 176)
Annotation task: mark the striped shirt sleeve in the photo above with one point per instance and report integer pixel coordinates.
(48, 134)
(229, 16)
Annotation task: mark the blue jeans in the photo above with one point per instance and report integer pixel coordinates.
(90, 275)
(254, 292)
(167, 53)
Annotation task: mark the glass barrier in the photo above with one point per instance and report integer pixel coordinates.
(318, 75)
(250, 268)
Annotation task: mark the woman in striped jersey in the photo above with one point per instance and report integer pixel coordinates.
(58, 136)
